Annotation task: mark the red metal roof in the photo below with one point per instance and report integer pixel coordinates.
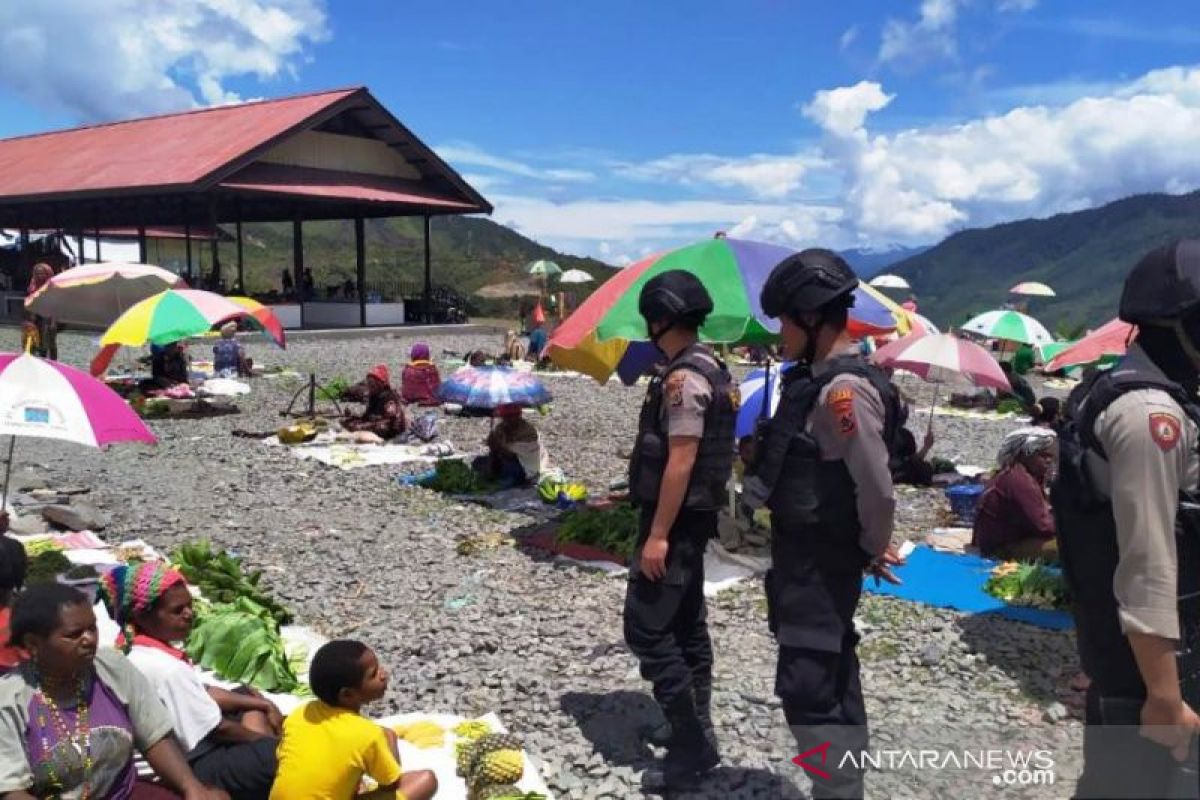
(162, 151)
(319, 183)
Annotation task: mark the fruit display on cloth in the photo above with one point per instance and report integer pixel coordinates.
(490, 761)
(613, 530)
(552, 490)
(1028, 584)
(424, 734)
(219, 576)
(241, 642)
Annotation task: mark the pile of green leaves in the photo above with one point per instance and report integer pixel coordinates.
(241, 642)
(220, 577)
(334, 389)
(1029, 584)
(1010, 405)
(613, 530)
(455, 476)
(46, 566)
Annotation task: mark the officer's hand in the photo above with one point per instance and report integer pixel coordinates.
(654, 557)
(1171, 725)
(881, 567)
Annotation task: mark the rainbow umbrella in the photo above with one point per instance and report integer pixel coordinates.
(606, 333)
(263, 317)
(50, 400)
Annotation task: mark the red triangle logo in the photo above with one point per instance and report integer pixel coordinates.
(823, 750)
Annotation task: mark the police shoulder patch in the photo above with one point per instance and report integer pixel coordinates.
(735, 397)
(1165, 430)
(840, 402)
(674, 388)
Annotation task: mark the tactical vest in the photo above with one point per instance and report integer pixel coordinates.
(1087, 536)
(813, 500)
(714, 460)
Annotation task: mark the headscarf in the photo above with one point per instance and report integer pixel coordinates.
(419, 352)
(1023, 443)
(380, 373)
(42, 272)
(129, 589)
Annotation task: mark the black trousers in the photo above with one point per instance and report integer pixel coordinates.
(1119, 763)
(666, 620)
(811, 608)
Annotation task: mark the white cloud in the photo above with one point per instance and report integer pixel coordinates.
(931, 37)
(125, 58)
(841, 111)
(458, 153)
(848, 37)
(764, 176)
(920, 184)
(1016, 6)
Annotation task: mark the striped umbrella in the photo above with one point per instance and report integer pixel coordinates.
(1110, 340)
(543, 268)
(889, 282)
(96, 294)
(263, 317)
(170, 316)
(943, 358)
(753, 392)
(1009, 325)
(606, 333)
(489, 388)
(1032, 289)
(54, 401)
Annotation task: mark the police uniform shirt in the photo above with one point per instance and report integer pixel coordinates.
(1151, 449)
(686, 397)
(847, 423)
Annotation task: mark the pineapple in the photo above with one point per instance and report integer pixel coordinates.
(498, 766)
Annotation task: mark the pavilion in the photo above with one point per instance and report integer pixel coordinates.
(327, 155)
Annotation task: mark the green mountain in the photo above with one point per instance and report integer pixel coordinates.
(1083, 255)
(467, 253)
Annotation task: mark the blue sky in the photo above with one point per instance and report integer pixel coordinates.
(615, 128)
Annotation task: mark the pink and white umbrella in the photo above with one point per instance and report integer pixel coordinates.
(96, 294)
(943, 358)
(54, 401)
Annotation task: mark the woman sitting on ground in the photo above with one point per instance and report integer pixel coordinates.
(13, 563)
(1014, 519)
(514, 348)
(72, 716)
(229, 738)
(420, 380)
(908, 464)
(229, 357)
(169, 364)
(515, 454)
(384, 414)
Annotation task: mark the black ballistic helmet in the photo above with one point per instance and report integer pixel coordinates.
(674, 296)
(808, 281)
(1164, 286)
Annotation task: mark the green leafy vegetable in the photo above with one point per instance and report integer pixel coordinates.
(46, 566)
(1028, 584)
(613, 530)
(334, 389)
(241, 642)
(220, 577)
(454, 476)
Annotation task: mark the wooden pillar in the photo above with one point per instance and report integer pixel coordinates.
(97, 231)
(187, 245)
(214, 250)
(428, 295)
(241, 267)
(142, 244)
(360, 263)
(79, 244)
(298, 261)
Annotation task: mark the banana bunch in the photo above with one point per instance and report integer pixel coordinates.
(551, 490)
(424, 734)
(472, 729)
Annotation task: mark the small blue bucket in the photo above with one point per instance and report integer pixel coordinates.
(964, 500)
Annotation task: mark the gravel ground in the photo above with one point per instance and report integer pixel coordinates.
(541, 643)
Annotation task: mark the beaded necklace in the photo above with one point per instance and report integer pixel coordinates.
(81, 739)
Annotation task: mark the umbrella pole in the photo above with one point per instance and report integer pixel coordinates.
(12, 443)
(932, 406)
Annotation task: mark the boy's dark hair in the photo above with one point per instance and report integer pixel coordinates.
(336, 666)
(37, 609)
(13, 563)
(1048, 410)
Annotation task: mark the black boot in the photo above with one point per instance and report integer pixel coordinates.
(690, 754)
(657, 734)
(703, 695)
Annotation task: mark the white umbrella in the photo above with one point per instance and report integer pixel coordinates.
(1010, 325)
(1032, 289)
(544, 268)
(96, 294)
(889, 282)
(575, 276)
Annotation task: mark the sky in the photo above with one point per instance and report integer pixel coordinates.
(618, 128)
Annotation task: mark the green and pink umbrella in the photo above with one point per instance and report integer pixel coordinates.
(606, 333)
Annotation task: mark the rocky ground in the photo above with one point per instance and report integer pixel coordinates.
(540, 643)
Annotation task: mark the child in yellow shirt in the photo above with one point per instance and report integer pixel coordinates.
(328, 746)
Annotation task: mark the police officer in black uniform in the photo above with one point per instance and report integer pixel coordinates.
(681, 463)
(821, 466)
(1126, 506)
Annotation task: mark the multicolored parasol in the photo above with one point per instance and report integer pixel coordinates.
(263, 317)
(1012, 326)
(96, 294)
(170, 316)
(604, 333)
(1110, 340)
(491, 387)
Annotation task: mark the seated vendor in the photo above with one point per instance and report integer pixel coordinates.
(908, 464)
(169, 364)
(515, 454)
(420, 380)
(384, 414)
(13, 564)
(229, 357)
(228, 737)
(1021, 390)
(1014, 519)
(514, 347)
